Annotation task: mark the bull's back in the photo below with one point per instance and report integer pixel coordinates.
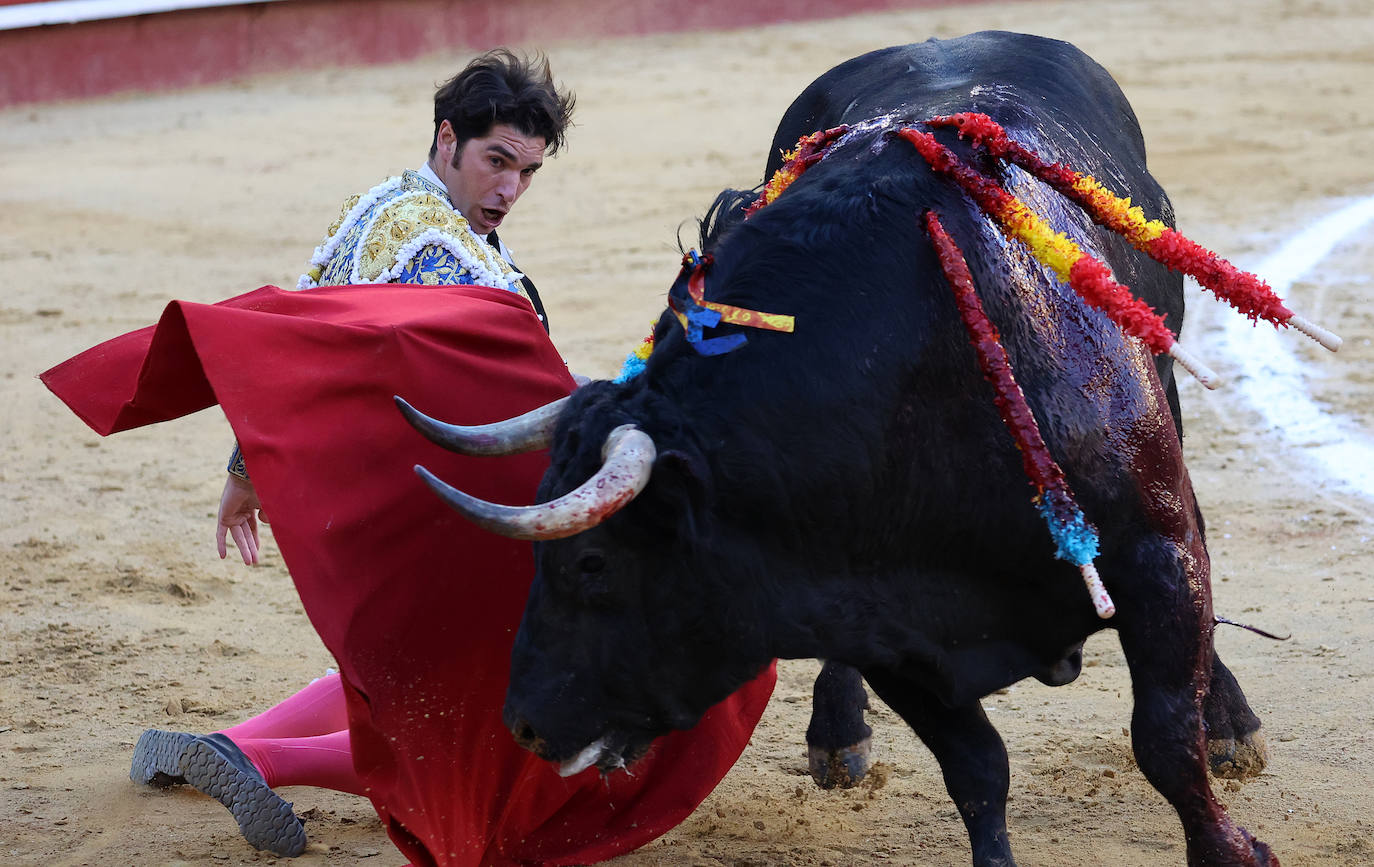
(1000, 73)
(1086, 384)
(1049, 95)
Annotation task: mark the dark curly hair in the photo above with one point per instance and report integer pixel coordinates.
(500, 88)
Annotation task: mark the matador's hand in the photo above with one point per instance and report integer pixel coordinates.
(239, 513)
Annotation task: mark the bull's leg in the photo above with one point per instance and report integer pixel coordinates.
(1236, 748)
(837, 739)
(1169, 651)
(972, 760)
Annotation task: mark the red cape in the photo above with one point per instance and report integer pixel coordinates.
(418, 606)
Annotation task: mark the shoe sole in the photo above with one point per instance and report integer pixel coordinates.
(157, 758)
(265, 820)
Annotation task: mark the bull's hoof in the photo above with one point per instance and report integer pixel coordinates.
(842, 768)
(1238, 759)
(1263, 855)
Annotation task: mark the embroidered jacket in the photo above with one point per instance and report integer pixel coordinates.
(405, 230)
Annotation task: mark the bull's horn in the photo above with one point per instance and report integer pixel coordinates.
(627, 460)
(524, 433)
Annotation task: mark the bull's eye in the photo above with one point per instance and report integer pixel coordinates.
(591, 562)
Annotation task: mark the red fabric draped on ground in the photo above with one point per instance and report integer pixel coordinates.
(418, 606)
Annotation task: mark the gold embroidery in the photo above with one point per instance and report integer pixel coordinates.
(434, 216)
(402, 221)
(374, 241)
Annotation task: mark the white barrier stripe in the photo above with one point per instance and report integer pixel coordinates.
(75, 11)
(1273, 381)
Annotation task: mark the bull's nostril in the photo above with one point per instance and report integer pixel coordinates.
(524, 734)
(529, 739)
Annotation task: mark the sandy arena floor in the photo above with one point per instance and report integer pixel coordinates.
(117, 616)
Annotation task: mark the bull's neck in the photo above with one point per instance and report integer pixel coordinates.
(836, 618)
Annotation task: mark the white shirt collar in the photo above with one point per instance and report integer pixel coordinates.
(428, 174)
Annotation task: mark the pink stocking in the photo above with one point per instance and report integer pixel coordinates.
(323, 761)
(318, 709)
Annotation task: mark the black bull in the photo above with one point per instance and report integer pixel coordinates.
(849, 491)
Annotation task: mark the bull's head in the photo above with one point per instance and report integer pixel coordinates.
(612, 651)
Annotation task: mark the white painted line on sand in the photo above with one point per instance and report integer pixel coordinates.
(1274, 383)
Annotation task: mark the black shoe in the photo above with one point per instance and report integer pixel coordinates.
(157, 758)
(216, 766)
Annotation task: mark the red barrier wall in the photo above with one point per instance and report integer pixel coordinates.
(199, 46)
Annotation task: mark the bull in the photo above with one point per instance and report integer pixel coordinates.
(848, 491)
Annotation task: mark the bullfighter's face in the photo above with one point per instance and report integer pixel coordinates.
(486, 175)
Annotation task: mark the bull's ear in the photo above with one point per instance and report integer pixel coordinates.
(677, 491)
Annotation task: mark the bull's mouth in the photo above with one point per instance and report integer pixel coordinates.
(610, 752)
